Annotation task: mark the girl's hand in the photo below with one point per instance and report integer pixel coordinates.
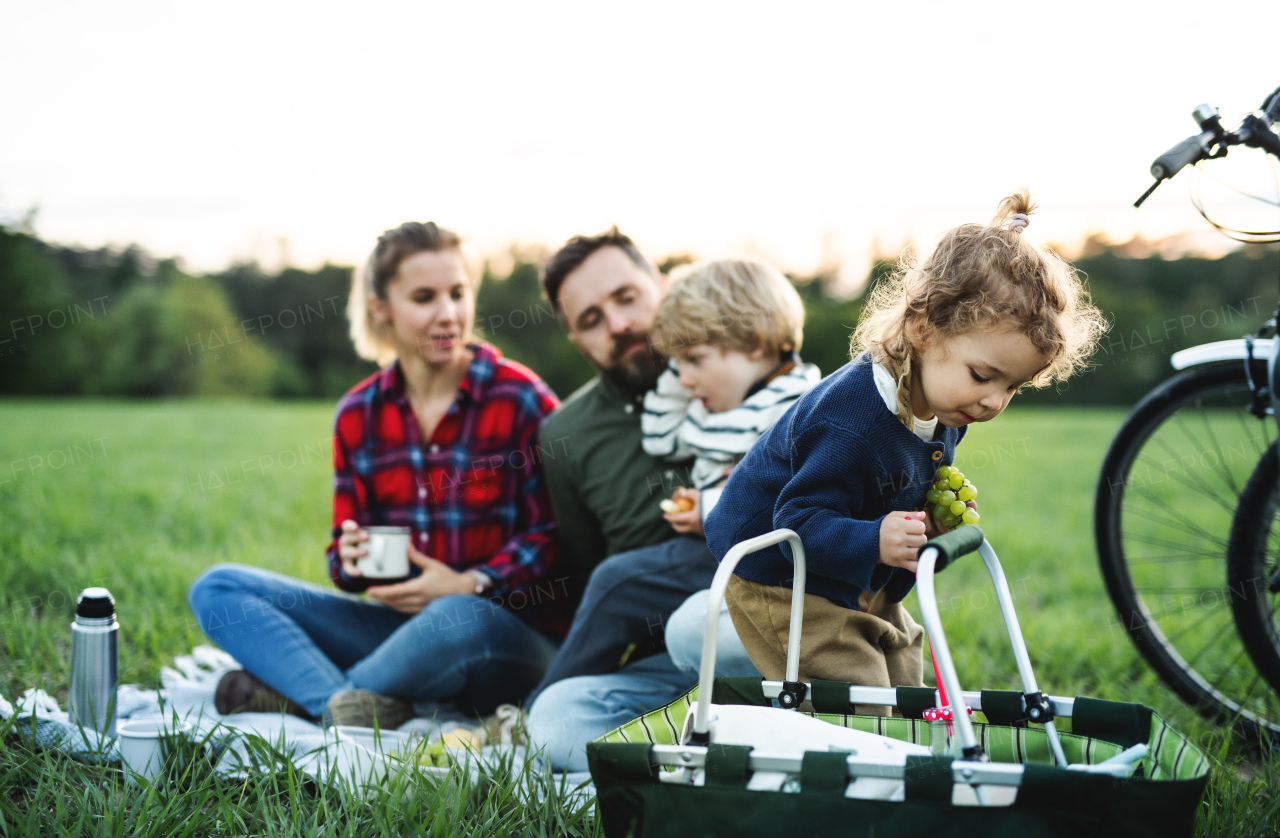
(350, 549)
(901, 536)
(931, 528)
(413, 595)
(690, 522)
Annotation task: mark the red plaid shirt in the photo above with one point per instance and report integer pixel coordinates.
(474, 495)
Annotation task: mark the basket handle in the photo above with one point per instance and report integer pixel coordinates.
(954, 544)
(706, 675)
(936, 555)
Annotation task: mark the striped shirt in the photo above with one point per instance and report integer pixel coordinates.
(474, 495)
(677, 426)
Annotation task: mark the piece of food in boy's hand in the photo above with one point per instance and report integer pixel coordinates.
(674, 504)
(949, 498)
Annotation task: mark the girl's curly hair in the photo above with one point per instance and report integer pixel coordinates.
(978, 278)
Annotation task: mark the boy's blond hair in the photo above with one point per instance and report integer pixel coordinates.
(731, 304)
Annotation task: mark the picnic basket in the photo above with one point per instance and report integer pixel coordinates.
(1121, 770)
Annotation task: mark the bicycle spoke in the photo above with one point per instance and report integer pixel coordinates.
(1184, 426)
(1240, 656)
(1182, 632)
(1181, 590)
(1178, 524)
(1185, 557)
(1156, 542)
(1265, 428)
(1229, 624)
(1200, 487)
(1216, 447)
(1260, 441)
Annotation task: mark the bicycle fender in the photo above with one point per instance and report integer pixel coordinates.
(1222, 350)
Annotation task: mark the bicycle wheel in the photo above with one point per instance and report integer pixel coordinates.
(1168, 492)
(1253, 567)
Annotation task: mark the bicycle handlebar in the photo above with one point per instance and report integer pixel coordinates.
(1213, 141)
(1191, 150)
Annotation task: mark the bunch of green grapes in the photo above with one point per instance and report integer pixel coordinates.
(431, 755)
(948, 499)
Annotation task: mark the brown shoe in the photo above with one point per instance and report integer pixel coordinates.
(364, 708)
(240, 692)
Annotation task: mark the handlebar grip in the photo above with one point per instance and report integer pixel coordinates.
(1190, 150)
(952, 545)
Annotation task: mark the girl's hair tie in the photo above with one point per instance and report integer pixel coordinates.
(1018, 222)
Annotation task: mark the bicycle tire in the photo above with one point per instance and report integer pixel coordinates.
(1159, 543)
(1252, 564)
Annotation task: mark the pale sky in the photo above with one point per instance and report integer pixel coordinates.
(805, 131)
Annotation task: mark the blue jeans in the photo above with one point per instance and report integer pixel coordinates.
(685, 630)
(570, 713)
(627, 602)
(309, 642)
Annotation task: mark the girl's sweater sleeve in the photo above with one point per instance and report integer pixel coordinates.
(833, 473)
(666, 408)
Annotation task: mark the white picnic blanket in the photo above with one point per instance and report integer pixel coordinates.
(186, 693)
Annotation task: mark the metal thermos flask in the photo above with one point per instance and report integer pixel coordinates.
(94, 662)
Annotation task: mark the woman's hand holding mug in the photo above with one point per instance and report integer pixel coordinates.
(351, 547)
(413, 595)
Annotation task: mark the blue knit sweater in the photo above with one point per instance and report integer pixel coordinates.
(831, 468)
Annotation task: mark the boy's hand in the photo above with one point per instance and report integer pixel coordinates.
(902, 534)
(689, 522)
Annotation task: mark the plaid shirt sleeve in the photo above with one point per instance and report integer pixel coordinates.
(532, 555)
(350, 495)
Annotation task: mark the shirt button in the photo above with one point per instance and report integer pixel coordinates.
(628, 408)
(937, 455)
(435, 449)
(671, 475)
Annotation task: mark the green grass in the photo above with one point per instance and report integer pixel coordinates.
(143, 497)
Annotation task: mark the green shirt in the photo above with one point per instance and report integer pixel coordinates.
(604, 488)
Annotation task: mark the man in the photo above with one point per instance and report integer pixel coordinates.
(605, 491)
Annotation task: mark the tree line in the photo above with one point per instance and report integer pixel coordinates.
(115, 322)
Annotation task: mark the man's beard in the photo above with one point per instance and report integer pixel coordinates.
(639, 372)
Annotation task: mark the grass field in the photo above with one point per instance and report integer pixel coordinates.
(142, 497)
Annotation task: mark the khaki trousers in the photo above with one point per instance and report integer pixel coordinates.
(879, 646)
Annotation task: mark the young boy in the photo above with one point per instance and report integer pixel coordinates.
(733, 328)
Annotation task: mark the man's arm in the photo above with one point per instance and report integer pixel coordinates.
(582, 538)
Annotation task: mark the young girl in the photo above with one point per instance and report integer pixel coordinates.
(944, 344)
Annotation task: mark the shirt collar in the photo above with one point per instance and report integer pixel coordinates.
(788, 360)
(474, 385)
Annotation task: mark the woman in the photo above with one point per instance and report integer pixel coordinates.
(443, 441)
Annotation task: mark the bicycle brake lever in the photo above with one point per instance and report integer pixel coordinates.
(1147, 194)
